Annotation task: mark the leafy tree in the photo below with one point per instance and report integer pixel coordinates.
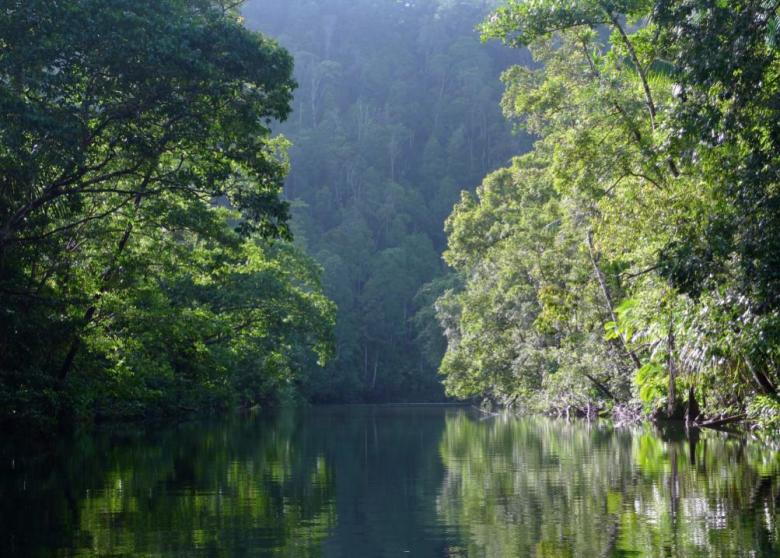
(647, 136)
(139, 181)
(726, 123)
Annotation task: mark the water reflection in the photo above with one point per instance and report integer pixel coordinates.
(541, 488)
(216, 489)
(390, 481)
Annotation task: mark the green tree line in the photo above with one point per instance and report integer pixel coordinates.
(146, 266)
(632, 257)
(396, 112)
(625, 260)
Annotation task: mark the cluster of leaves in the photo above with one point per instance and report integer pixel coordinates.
(633, 256)
(145, 264)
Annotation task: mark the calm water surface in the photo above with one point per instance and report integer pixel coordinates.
(391, 481)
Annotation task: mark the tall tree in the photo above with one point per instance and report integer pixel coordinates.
(656, 135)
(136, 158)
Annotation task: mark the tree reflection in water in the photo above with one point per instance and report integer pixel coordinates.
(385, 481)
(223, 488)
(535, 487)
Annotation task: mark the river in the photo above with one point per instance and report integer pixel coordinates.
(395, 481)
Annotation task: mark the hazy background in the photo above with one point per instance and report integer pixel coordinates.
(397, 111)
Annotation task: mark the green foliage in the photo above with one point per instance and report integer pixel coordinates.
(650, 261)
(514, 326)
(144, 258)
(727, 117)
(397, 111)
(523, 22)
(146, 263)
(765, 412)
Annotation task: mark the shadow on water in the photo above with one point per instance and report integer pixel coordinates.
(391, 481)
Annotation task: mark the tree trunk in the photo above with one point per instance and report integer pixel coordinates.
(761, 379)
(671, 407)
(600, 386)
(365, 361)
(693, 411)
(608, 298)
(376, 368)
(89, 315)
(639, 69)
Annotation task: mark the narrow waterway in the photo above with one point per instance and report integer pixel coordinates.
(391, 481)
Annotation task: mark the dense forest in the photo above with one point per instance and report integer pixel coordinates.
(396, 111)
(207, 204)
(146, 266)
(631, 261)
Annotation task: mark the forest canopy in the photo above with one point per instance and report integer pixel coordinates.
(145, 262)
(396, 112)
(632, 257)
(209, 204)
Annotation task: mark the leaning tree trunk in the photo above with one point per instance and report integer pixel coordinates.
(105, 279)
(671, 408)
(608, 298)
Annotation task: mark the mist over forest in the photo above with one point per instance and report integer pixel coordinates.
(447, 278)
(563, 208)
(396, 111)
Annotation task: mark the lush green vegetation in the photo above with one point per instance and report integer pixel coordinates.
(633, 255)
(142, 220)
(396, 112)
(145, 262)
(627, 259)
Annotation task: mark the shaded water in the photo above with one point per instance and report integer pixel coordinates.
(391, 481)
